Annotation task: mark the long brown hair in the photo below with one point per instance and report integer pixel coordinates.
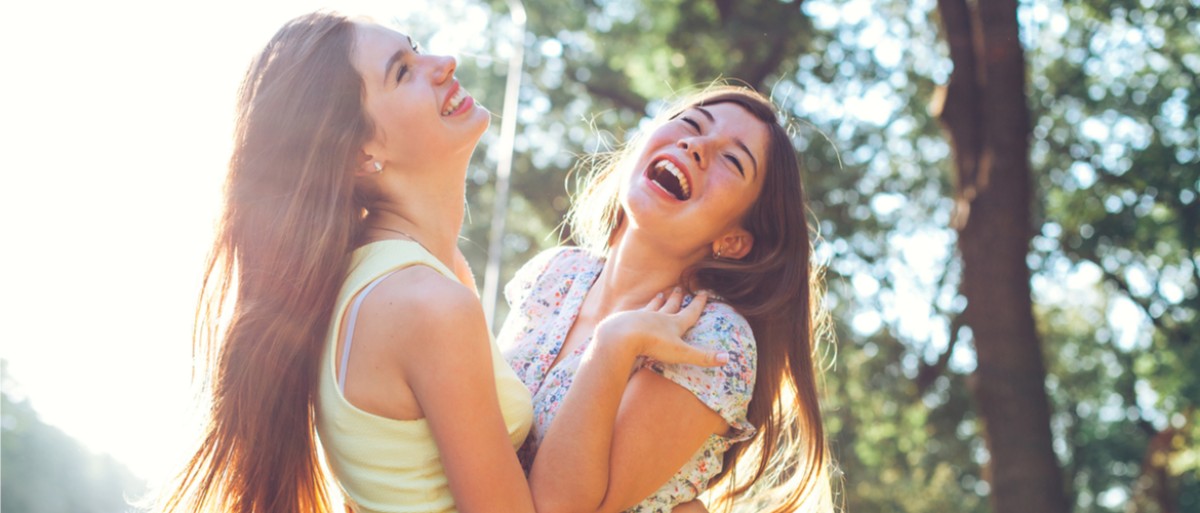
(785, 464)
(289, 220)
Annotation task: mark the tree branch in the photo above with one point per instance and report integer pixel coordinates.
(724, 10)
(957, 104)
(1120, 283)
(928, 373)
(620, 94)
(756, 73)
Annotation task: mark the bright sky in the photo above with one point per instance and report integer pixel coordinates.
(115, 122)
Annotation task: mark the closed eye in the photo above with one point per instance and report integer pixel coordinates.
(736, 163)
(692, 122)
(403, 71)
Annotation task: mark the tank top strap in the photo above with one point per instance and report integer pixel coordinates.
(377, 261)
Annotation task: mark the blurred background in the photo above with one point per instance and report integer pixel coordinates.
(1005, 195)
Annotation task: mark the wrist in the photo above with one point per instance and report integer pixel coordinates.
(613, 341)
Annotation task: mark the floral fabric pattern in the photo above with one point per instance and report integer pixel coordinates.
(545, 297)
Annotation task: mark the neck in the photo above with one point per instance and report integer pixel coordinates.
(432, 215)
(636, 270)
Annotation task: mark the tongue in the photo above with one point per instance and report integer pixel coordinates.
(670, 183)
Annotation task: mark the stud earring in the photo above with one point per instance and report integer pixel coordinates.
(378, 166)
(717, 254)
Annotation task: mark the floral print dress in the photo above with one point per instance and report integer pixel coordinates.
(545, 297)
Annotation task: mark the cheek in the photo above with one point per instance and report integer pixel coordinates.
(661, 137)
(737, 198)
(623, 190)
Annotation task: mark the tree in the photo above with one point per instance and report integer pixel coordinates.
(1112, 162)
(47, 471)
(985, 113)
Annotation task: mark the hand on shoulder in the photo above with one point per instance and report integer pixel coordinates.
(657, 330)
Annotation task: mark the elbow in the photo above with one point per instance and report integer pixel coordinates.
(556, 498)
(557, 504)
(542, 504)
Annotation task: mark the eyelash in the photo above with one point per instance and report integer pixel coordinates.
(733, 160)
(416, 48)
(736, 163)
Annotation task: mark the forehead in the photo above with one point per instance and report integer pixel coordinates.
(374, 44)
(734, 121)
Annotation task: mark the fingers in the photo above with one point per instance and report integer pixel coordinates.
(673, 302)
(656, 303)
(689, 355)
(691, 314)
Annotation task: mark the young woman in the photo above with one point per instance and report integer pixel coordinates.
(709, 199)
(330, 305)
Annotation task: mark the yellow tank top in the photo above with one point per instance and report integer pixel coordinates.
(386, 465)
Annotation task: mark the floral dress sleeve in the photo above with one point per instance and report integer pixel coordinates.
(519, 289)
(726, 389)
(534, 296)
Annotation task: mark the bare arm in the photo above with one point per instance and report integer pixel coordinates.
(443, 351)
(693, 506)
(615, 439)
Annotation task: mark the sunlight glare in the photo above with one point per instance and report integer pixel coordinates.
(115, 143)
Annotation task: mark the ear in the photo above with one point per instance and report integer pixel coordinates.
(734, 244)
(367, 165)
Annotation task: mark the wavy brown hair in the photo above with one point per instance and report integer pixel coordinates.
(289, 221)
(785, 464)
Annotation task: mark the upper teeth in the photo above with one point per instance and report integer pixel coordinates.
(679, 175)
(455, 101)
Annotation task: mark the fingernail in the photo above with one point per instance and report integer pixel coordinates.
(659, 296)
(678, 290)
(723, 358)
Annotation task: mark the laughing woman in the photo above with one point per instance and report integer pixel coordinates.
(710, 199)
(343, 202)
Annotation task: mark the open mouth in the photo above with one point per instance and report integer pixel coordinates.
(670, 178)
(455, 101)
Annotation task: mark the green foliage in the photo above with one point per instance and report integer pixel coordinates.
(1116, 157)
(44, 470)
(1117, 140)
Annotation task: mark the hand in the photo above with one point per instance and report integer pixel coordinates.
(656, 330)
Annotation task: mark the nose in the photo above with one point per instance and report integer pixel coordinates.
(694, 149)
(444, 66)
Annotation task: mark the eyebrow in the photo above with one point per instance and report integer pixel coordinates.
(738, 141)
(387, 68)
(391, 62)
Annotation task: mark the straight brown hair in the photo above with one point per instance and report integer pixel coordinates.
(290, 218)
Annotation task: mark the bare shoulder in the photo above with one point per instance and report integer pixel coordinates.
(423, 290)
(418, 305)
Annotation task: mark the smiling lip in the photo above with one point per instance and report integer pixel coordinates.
(466, 103)
(682, 167)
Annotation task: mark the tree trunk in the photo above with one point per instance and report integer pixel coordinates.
(984, 112)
